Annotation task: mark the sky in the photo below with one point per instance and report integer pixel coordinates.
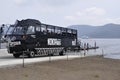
(61, 12)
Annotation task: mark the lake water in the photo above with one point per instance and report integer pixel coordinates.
(110, 47)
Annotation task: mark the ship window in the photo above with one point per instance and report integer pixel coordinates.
(58, 30)
(50, 29)
(10, 30)
(63, 30)
(15, 30)
(18, 30)
(43, 28)
(31, 30)
(38, 28)
(69, 31)
(74, 32)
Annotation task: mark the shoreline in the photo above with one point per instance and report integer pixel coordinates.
(87, 68)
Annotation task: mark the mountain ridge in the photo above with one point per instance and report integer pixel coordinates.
(106, 31)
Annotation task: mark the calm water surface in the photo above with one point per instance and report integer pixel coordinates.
(110, 47)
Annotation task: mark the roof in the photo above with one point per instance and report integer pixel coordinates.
(34, 22)
(27, 22)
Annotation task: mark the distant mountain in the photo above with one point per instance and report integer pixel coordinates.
(106, 31)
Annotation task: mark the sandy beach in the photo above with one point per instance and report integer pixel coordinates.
(88, 68)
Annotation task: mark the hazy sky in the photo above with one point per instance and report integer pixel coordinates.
(61, 12)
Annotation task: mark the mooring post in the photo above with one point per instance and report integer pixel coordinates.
(80, 54)
(84, 52)
(84, 49)
(49, 57)
(102, 52)
(67, 56)
(23, 60)
(95, 44)
(87, 46)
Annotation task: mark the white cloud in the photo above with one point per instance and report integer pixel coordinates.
(57, 2)
(95, 11)
(112, 20)
(92, 15)
(54, 3)
(19, 2)
(71, 18)
(61, 12)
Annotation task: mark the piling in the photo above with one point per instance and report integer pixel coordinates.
(23, 59)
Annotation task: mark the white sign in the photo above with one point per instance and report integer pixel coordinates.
(53, 41)
(15, 43)
(74, 42)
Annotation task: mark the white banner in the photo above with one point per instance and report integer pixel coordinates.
(53, 41)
